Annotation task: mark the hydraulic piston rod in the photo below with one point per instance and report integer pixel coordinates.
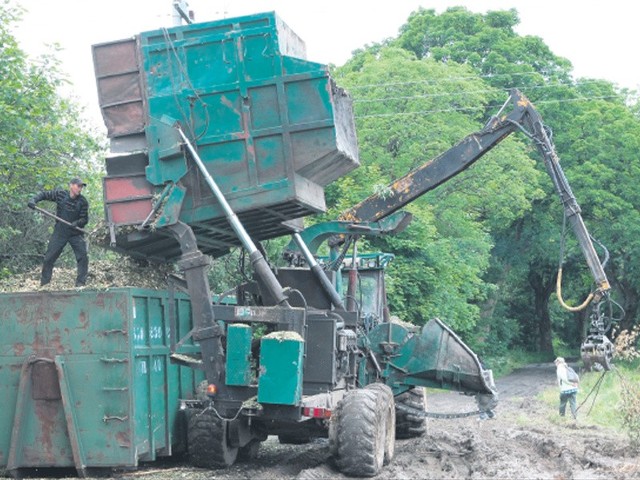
(258, 262)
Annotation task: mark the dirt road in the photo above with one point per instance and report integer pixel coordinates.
(526, 440)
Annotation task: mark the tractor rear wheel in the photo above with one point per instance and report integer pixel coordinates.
(408, 425)
(360, 431)
(388, 410)
(208, 440)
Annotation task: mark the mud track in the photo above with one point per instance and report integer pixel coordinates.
(525, 440)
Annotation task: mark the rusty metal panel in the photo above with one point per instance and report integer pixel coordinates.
(128, 195)
(126, 188)
(133, 212)
(44, 384)
(127, 200)
(86, 379)
(120, 91)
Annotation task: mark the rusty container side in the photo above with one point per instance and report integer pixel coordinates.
(86, 379)
(120, 92)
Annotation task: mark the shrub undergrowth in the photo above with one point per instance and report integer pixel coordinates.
(629, 405)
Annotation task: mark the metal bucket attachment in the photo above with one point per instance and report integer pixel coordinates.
(435, 357)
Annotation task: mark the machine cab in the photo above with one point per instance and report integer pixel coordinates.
(363, 287)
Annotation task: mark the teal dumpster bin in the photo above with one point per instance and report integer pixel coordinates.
(86, 379)
(271, 128)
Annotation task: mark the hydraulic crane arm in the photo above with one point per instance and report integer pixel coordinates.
(522, 117)
(372, 211)
(534, 128)
(433, 173)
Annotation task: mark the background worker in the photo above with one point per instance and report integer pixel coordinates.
(72, 207)
(568, 390)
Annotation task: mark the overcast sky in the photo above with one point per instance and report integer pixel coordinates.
(600, 38)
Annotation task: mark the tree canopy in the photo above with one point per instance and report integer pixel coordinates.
(483, 250)
(408, 111)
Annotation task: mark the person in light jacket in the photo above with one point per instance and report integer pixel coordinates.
(568, 390)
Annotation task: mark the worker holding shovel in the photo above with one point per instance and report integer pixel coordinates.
(72, 213)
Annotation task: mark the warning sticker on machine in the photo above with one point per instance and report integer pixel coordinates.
(244, 312)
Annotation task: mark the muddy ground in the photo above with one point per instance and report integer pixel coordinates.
(526, 440)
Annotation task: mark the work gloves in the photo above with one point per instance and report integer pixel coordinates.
(31, 204)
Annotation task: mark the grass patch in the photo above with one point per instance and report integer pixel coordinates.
(523, 419)
(605, 399)
(502, 366)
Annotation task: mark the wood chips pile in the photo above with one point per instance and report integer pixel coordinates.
(124, 272)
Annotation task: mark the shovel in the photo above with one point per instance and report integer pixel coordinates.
(49, 214)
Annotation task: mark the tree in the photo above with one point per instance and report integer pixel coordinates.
(42, 145)
(408, 111)
(603, 151)
(592, 127)
(487, 43)
(500, 279)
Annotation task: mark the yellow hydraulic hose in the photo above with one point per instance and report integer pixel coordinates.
(559, 295)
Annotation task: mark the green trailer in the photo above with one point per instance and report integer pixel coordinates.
(86, 379)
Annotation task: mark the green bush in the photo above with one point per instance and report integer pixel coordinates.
(629, 409)
(504, 365)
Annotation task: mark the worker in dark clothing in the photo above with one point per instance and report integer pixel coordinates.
(72, 207)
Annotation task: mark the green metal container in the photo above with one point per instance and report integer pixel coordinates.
(281, 362)
(238, 362)
(271, 128)
(86, 379)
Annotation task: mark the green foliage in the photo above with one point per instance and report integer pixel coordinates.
(486, 257)
(561, 348)
(595, 133)
(629, 408)
(230, 270)
(43, 143)
(486, 42)
(443, 274)
(409, 111)
(505, 363)
(414, 278)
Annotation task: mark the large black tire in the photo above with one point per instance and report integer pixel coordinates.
(408, 425)
(336, 415)
(207, 438)
(359, 433)
(387, 408)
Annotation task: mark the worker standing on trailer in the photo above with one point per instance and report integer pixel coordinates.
(72, 212)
